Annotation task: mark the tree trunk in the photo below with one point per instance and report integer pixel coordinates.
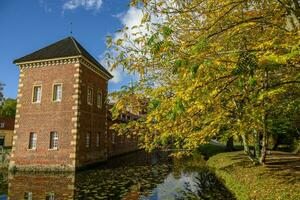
(262, 159)
(229, 144)
(247, 149)
(245, 144)
(263, 155)
(257, 144)
(297, 149)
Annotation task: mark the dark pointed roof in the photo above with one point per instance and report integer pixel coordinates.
(64, 48)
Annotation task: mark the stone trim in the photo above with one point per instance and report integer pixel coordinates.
(76, 114)
(93, 67)
(15, 136)
(49, 62)
(65, 60)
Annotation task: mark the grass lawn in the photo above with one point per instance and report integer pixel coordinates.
(213, 148)
(278, 179)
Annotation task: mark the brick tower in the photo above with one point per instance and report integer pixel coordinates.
(61, 119)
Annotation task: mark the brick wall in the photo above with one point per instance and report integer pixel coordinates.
(44, 117)
(121, 144)
(72, 119)
(92, 119)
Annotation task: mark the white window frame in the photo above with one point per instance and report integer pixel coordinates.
(53, 140)
(113, 138)
(56, 96)
(28, 195)
(2, 125)
(88, 140)
(50, 196)
(32, 141)
(89, 96)
(99, 99)
(37, 99)
(98, 139)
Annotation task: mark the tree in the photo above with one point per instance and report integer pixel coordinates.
(207, 66)
(1, 93)
(8, 109)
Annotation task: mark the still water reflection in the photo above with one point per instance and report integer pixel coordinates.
(138, 176)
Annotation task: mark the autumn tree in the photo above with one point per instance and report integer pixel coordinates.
(8, 108)
(207, 67)
(1, 93)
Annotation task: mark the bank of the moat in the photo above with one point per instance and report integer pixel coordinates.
(134, 176)
(279, 179)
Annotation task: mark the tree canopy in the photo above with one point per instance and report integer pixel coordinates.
(209, 68)
(8, 108)
(1, 93)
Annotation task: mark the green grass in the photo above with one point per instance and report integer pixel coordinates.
(247, 181)
(211, 149)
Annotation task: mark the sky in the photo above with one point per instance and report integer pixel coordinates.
(28, 25)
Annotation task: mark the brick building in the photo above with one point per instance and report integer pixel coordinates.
(61, 119)
(120, 144)
(6, 131)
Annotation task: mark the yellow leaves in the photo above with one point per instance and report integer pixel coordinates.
(184, 60)
(214, 93)
(146, 18)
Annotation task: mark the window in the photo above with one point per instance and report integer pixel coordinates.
(57, 92)
(50, 196)
(88, 140)
(90, 96)
(113, 138)
(2, 139)
(98, 140)
(32, 141)
(53, 140)
(28, 196)
(2, 125)
(99, 100)
(37, 94)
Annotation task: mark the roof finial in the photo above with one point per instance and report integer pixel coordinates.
(71, 28)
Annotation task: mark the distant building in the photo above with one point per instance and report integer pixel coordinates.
(6, 131)
(120, 144)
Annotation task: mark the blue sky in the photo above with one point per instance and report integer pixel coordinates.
(26, 26)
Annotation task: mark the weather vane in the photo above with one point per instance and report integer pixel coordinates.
(71, 31)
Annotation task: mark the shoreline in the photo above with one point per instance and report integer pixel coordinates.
(279, 179)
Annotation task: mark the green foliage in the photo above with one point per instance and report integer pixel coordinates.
(1, 93)
(210, 65)
(8, 109)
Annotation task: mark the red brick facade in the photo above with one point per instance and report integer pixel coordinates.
(120, 144)
(81, 126)
(7, 123)
(42, 118)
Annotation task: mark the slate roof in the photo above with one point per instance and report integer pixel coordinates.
(66, 47)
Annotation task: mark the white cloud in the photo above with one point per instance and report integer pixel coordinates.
(86, 4)
(131, 18)
(45, 6)
(118, 76)
(117, 73)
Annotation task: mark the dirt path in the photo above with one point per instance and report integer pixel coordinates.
(284, 164)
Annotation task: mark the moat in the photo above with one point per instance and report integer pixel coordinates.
(131, 177)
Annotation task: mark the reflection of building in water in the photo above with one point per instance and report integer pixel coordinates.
(41, 186)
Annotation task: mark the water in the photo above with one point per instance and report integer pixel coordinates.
(137, 176)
